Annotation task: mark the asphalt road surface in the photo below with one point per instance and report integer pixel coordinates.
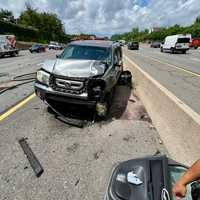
(15, 66)
(77, 162)
(179, 73)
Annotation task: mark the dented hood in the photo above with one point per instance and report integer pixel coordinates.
(74, 68)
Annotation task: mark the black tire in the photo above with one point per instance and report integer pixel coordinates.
(195, 47)
(125, 78)
(161, 49)
(172, 50)
(14, 54)
(184, 51)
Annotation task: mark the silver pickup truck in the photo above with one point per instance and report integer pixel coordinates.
(85, 73)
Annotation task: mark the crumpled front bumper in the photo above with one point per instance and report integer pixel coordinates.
(47, 93)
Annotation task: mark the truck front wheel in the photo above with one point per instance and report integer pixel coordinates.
(172, 50)
(103, 108)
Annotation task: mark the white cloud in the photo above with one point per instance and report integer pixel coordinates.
(113, 16)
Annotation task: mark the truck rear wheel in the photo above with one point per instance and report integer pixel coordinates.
(15, 53)
(172, 50)
(184, 51)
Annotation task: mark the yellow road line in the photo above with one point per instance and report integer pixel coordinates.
(16, 107)
(176, 67)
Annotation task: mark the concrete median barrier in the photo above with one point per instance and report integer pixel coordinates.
(177, 124)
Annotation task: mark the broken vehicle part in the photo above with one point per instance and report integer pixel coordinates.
(14, 86)
(74, 122)
(102, 109)
(25, 77)
(34, 162)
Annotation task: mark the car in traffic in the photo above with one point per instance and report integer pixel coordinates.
(55, 46)
(133, 45)
(176, 43)
(37, 48)
(155, 44)
(85, 73)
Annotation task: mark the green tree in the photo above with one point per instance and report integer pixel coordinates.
(197, 20)
(48, 24)
(6, 14)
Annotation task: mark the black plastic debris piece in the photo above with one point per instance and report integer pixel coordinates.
(34, 162)
(77, 182)
(74, 122)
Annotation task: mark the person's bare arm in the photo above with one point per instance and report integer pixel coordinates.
(191, 175)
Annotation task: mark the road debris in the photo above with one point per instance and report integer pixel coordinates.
(152, 127)
(4, 74)
(73, 148)
(74, 122)
(70, 121)
(97, 154)
(132, 100)
(160, 141)
(34, 162)
(77, 182)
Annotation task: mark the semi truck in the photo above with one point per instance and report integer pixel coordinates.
(8, 46)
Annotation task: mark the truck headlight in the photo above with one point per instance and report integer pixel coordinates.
(43, 77)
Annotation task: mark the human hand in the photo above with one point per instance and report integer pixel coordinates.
(179, 190)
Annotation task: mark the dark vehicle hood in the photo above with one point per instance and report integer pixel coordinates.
(75, 68)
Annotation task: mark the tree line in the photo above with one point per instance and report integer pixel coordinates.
(145, 35)
(33, 26)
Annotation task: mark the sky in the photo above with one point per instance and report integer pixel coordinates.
(107, 17)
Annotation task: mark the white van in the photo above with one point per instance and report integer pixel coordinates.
(176, 43)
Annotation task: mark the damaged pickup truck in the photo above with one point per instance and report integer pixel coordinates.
(85, 73)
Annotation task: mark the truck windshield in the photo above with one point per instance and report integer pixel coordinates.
(85, 53)
(183, 40)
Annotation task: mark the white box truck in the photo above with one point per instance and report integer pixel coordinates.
(8, 46)
(176, 43)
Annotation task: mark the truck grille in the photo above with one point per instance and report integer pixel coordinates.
(68, 85)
